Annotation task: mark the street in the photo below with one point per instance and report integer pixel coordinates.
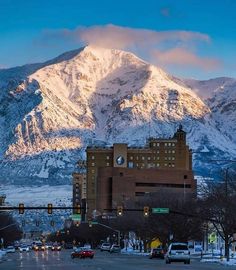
(102, 261)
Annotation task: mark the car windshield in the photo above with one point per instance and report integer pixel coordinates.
(179, 247)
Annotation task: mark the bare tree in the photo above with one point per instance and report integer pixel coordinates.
(218, 204)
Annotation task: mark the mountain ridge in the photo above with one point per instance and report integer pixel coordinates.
(50, 115)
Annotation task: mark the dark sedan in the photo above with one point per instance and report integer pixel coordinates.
(82, 253)
(157, 253)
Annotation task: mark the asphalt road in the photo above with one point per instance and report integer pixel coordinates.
(102, 261)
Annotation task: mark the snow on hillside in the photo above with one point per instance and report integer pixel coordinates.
(51, 111)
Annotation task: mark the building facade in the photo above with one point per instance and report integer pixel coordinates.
(79, 184)
(120, 172)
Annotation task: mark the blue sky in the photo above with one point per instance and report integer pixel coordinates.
(35, 31)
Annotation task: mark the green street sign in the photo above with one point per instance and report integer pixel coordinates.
(160, 210)
(94, 222)
(76, 217)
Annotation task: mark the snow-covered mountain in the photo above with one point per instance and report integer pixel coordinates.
(51, 111)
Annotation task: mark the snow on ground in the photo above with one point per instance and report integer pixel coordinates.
(37, 195)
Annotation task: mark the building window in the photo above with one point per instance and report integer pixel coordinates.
(121, 174)
(165, 164)
(131, 158)
(173, 165)
(173, 158)
(93, 171)
(169, 151)
(149, 158)
(157, 151)
(169, 144)
(169, 158)
(185, 176)
(165, 158)
(165, 144)
(154, 158)
(143, 158)
(137, 158)
(108, 164)
(130, 164)
(158, 144)
(158, 164)
(173, 151)
(137, 165)
(173, 144)
(108, 157)
(154, 144)
(93, 157)
(158, 158)
(93, 164)
(166, 151)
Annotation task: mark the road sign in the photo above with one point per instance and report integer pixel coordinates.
(76, 217)
(160, 210)
(94, 222)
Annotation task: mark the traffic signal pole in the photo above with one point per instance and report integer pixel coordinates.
(108, 227)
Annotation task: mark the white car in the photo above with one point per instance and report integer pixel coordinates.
(24, 248)
(178, 252)
(115, 248)
(105, 247)
(2, 255)
(10, 249)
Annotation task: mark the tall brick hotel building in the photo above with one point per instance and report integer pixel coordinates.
(118, 173)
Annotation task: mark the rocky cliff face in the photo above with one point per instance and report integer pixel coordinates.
(50, 112)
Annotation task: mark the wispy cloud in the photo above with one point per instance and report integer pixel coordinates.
(185, 58)
(165, 12)
(163, 47)
(112, 36)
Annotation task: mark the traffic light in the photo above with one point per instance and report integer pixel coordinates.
(119, 211)
(21, 208)
(146, 211)
(50, 208)
(78, 209)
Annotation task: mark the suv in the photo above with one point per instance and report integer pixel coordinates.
(178, 252)
(115, 248)
(157, 253)
(105, 247)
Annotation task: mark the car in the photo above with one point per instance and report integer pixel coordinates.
(24, 248)
(10, 249)
(2, 255)
(157, 253)
(56, 247)
(82, 253)
(178, 252)
(48, 246)
(39, 247)
(115, 248)
(105, 247)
